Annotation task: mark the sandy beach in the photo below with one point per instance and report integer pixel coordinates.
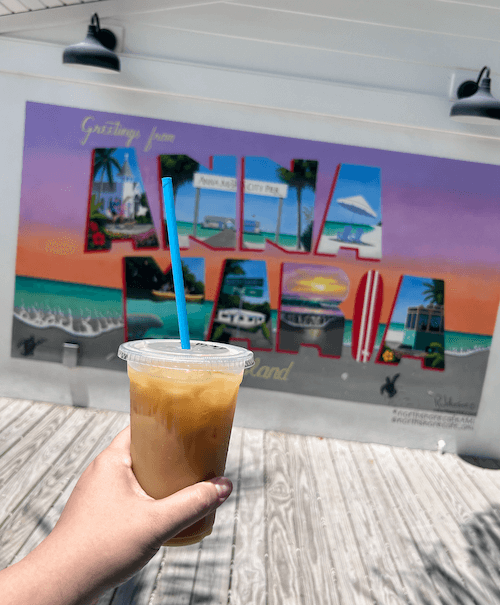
(94, 351)
(457, 389)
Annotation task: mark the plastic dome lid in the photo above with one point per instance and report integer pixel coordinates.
(201, 356)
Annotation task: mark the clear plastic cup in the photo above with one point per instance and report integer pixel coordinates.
(182, 405)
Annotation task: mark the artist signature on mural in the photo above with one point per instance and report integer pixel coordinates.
(443, 402)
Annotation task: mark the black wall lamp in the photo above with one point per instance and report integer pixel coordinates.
(95, 53)
(476, 104)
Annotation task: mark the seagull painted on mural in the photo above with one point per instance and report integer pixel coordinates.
(389, 386)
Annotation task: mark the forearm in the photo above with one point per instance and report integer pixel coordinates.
(50, 575)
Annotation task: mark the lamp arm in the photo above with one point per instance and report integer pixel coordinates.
(95, 22)
(485, 68)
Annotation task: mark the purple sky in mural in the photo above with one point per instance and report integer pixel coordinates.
(411, 184)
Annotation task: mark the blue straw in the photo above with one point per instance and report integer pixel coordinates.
(175, 255)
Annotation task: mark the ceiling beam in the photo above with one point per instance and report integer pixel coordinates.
(74, 13)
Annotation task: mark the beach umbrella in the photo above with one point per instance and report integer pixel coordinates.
(358, 205)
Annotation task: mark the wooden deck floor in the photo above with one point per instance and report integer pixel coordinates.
(311, 521)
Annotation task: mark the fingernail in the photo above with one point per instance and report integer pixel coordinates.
(224, 487)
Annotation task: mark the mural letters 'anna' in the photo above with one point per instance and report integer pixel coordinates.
(205, 199)
(353, 215)
(118, 206)
(279, 204)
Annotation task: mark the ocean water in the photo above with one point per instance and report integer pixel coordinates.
(79, 300)
(285, 240)
(185, 228)
(83, 301)
(198, 317)
(336, 228)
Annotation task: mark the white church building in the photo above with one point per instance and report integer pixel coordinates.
(122, 198)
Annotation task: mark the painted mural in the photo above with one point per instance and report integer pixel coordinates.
(355, 274)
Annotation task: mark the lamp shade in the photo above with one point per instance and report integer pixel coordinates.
(479, 108)
(91, 54)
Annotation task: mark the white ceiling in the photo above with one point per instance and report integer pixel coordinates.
(403, 45)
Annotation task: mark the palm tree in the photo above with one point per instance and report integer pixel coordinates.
(180, 168)
(104, 162)
(303, 177)
(434, 292)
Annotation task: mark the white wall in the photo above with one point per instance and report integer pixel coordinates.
(289, 106)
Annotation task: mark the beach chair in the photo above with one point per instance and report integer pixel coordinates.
(344, 236)
(356, 236)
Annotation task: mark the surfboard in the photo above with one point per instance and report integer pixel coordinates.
(367, 310)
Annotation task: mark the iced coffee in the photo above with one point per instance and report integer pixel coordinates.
(182, 405)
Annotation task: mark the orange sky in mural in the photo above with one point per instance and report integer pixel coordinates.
(469, 299)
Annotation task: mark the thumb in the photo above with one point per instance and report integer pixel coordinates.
(185, 507)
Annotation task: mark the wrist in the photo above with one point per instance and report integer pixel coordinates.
(52, 574)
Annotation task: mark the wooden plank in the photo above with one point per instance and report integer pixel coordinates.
(20, 485)
(52, 3)
(427, 542)
(212, 579)
(23, 464)
(283, 563)
(483, 478)
(21, 524)
(462, 583)
(5, 401)
(15, 6)
(418, 587)
(455, 19)
(248, 579)
(200, 573)
(353, 581)
(138, 589)
(177, 575)
(471, 509)
(33, 5)
(490, 477)
(316, 566)
(375, 549)
(25, 421)
(47, 523)
(14, 409)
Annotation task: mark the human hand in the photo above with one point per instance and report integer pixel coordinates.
(110, 528)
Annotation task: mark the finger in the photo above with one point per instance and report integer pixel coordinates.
(185, 507)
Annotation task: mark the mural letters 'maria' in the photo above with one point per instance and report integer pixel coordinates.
(366, 317)
(150, 298)
(243, 310)
(119, 208)
(416, 325)
(309, 311)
